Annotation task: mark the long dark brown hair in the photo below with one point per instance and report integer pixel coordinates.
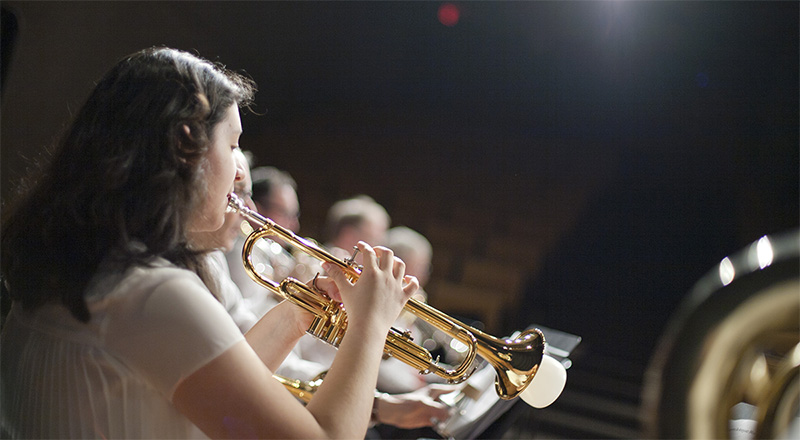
(125, 171)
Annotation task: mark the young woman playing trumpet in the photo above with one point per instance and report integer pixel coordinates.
(112, 332)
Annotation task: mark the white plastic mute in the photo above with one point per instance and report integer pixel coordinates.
(547, 384)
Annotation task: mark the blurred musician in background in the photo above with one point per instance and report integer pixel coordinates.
(352, 220)
(415, 250)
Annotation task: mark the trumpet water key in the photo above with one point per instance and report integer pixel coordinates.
(515, 361)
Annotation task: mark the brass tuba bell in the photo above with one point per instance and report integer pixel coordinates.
(728, 364)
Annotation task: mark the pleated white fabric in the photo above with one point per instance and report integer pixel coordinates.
(229, 294)
(113, 377)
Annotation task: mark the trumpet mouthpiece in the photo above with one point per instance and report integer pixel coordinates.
(235, 204)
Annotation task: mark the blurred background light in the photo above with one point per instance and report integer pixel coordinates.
(449, 14)
(764, 252)
(726, 271)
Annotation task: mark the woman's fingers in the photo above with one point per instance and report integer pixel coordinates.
(327, 284)
(382, 286)
(332, 271)
(369, 257)
(386, 258)
(399, 270)
(410, 285)
(387, 261)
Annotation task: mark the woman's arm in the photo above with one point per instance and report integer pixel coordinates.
(274, 335)
(234, 395)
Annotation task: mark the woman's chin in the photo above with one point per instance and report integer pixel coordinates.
(205, 224)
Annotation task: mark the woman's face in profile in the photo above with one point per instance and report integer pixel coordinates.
(220, 172)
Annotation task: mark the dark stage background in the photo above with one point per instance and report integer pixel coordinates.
(625, 146)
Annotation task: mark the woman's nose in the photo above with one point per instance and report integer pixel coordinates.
(240, 173)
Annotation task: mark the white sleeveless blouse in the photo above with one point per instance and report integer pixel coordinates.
(113, 377)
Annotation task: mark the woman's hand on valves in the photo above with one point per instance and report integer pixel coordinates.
(381, 290)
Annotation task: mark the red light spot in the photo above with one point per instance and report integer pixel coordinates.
(448, 14)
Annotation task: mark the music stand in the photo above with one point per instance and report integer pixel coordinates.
(476, 405)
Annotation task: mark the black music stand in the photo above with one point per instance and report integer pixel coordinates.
(477, 407)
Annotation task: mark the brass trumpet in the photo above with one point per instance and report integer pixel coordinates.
(515, 361)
